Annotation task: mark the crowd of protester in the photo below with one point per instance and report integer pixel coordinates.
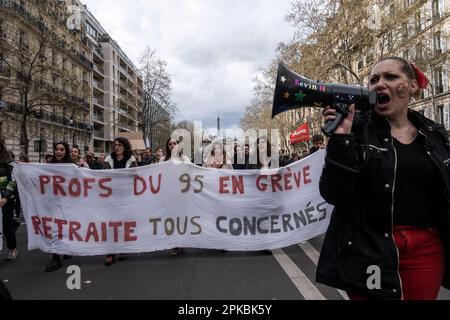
(217, 154)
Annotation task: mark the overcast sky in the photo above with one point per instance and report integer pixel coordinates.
(214, 48)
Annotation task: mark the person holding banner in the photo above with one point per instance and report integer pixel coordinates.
(241, 157)
(61, 155)
(121, 158)
(264, 150)
(174, 153)
(76, 158)
(7, 189)
(388, 179)
(158, 155)
(218, 157)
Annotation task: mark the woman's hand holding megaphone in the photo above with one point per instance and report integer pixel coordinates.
(345, 127)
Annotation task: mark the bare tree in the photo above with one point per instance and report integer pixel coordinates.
(158, 105)
(30, 62)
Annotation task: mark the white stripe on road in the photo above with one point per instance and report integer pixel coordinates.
(313, 254)
(307, 289)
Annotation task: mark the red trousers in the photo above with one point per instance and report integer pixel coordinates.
(422, 263)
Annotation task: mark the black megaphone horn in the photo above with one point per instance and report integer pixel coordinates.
(293, 91)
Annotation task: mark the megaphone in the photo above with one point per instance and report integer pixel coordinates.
(294, 91)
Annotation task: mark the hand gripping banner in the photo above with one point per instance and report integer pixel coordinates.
(77, 211)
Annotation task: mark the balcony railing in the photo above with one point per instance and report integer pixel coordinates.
(57, 119)
(124, 126)
(99, 134)
(98, 53)
(123, 112)
(123, 84)
(124, 98)
(38, 24)
(98, 101)
(53, 90)
(98, 117)
(123, 69)
(99, 70)
(98, 85)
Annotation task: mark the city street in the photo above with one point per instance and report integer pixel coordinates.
(288, 274)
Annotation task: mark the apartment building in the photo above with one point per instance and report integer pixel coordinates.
(84, 90)
(421, 34)
(44, 78)
(117, 87)
(123, 90)
(160, 128)
(358, 33)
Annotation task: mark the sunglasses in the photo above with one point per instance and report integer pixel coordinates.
(173, 144)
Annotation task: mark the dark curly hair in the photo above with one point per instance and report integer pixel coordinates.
(67, 158)
(127, 153)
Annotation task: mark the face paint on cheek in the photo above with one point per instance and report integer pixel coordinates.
(401, 91)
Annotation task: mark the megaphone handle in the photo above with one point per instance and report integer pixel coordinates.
(331, 126)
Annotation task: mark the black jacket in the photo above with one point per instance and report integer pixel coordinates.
(361, 228)
(7, 184)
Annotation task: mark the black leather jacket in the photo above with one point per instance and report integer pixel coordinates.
(361, 228)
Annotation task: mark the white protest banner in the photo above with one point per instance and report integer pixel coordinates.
(77, 211)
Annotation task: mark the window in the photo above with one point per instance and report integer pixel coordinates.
(406, 54)
(390, 41)
(440, 113)
(360, 63)
(438, 87)
(23, 42)
(405, 31)
(40, 145)
(418, 51)
(370, 55)
(436, 9)
(418, 22)
(91, 31)
(446, 121)
(437, 42)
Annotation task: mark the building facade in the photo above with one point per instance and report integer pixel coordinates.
(45, 71)
(421, 35)
(117, 87)
(358, 33)
(161, 125)
(81, 89)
